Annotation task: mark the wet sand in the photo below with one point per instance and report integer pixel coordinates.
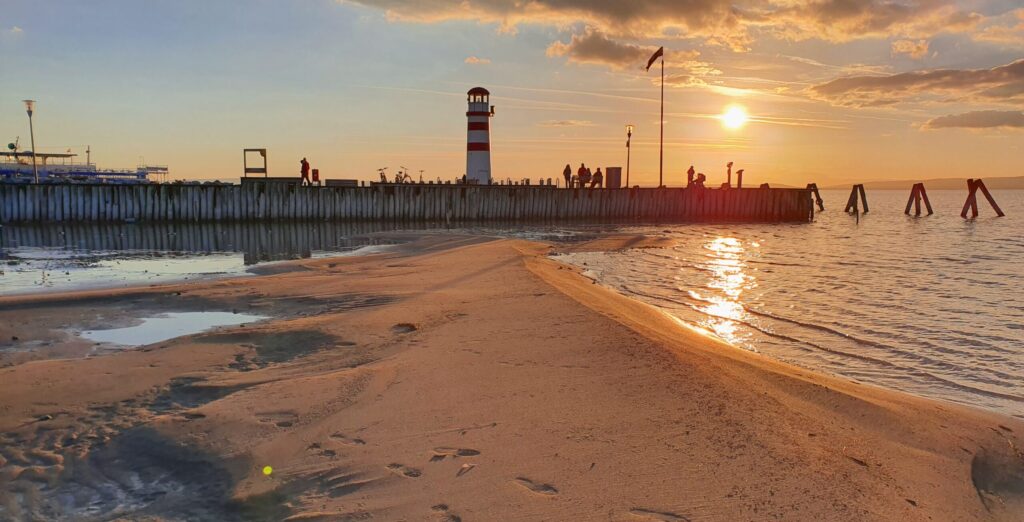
(460, 379)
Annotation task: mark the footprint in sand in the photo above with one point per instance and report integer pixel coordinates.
(351, 441)
(536, 487)
(404, 471)
(281, 419)
(403, 328)
(444, 452)
(446, 516)
(663, 516)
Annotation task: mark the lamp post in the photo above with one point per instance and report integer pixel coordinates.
(629, 137)
(29, 106)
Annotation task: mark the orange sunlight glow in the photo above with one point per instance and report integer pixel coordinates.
(729, 277)
(734, 117)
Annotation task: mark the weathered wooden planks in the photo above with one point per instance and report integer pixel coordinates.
(395, 203)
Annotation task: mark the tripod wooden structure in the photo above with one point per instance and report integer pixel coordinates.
(972, 199)
(916, 195)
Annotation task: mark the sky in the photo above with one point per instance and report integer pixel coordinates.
(836, 90)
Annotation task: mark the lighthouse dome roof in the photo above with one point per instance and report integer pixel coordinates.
(478, 90)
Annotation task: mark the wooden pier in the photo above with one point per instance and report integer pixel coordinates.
(30, 203)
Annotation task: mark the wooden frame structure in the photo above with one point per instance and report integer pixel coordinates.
(972, 199)
(917, 193)
(246, 169)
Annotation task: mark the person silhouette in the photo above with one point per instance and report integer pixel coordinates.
(567, 174)
(305, 172)
(598, 180)
(689, 176)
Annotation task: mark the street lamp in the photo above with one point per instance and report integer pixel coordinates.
(629, 137)
(29, 106)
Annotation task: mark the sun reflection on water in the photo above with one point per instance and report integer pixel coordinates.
(729, 278)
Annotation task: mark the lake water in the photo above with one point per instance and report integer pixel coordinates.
(930, 305)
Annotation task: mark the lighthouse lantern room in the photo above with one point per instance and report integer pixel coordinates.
(478, 142)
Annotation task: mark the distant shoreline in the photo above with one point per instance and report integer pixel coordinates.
(993, 183)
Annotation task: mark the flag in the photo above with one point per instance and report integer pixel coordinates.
(660, 53)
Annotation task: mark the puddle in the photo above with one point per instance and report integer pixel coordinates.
(168, 326)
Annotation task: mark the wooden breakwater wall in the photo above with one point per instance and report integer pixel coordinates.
(30, 203)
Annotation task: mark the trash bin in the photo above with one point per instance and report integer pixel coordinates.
(613, 177)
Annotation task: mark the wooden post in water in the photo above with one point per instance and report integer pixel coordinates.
(972, 199)
(851, 204)
(916, 195)
(813, 187)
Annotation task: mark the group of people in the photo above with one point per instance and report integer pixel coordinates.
(583, 177)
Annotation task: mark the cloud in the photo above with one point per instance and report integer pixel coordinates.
(593, 47)
(1002, 84)
(566, 123)
(915, 50)
(846, 20)
(729, 23)
(979, 120)
(473, 60)
(1006, 29)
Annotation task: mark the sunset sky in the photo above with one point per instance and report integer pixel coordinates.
(837, 90)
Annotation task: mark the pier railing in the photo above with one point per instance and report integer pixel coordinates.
(32, 203)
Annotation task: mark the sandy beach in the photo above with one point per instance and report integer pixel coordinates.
(460, 378)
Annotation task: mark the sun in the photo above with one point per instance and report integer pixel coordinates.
(734, 117)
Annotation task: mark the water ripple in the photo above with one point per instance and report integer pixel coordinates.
(925, 305)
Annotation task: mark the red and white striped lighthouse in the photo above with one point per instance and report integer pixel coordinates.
(478, 142)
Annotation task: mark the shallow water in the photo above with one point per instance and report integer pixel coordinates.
(928, 305)
(75, 257)
(168, 326)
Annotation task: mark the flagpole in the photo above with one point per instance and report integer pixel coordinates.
(661, 140)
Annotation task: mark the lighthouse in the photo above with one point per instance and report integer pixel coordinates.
(478, 141)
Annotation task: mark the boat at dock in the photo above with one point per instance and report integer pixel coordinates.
(16, 167)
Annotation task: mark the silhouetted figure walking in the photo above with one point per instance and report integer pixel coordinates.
(567, 174)
(580, 173)
(305, 172)
(585, 178)
(598, 179)
(689, 176)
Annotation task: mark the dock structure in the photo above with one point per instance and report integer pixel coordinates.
(32, 203)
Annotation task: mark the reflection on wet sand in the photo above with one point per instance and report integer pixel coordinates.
(259, 242)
